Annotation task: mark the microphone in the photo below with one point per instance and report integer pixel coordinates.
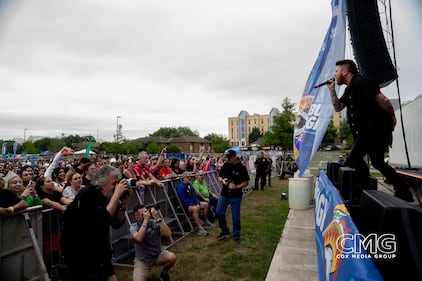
(324, 83)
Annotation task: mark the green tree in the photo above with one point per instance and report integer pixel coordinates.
(171, 148)
(153, 148)
(281, 133)
(254, 135)
(72, 139)
(42, 144)
(330, 134)
(173, 132)
(218, 142)
(29, 147)
(55, 144)
(287, 106)
(128, 147)
(345, 133)
(110, 147)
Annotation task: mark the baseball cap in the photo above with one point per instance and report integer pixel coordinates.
(230, 153)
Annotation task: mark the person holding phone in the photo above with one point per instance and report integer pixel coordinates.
(14, 183)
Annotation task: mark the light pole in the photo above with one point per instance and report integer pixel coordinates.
(24, 138)
(24, 134)
(117, 128)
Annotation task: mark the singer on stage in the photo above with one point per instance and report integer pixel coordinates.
(371, 118)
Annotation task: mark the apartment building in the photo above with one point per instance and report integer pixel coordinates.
(241, 126)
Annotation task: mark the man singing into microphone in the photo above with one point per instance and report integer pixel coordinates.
(371, 118)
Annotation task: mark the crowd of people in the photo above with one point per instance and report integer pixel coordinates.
(90, 195)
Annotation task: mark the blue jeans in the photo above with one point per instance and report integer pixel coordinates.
(223, 203)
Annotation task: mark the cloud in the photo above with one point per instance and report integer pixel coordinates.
(73, 66)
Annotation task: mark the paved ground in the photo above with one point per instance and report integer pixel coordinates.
(295, 256)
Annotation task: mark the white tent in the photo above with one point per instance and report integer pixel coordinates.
(83, 151)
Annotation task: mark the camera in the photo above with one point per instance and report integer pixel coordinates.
(131, 182)
(157, 207)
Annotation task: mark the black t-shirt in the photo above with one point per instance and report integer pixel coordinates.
(86, 237)
(261, 165)
(237, 173)
(50, 220)
(8, 198)
(363, 112)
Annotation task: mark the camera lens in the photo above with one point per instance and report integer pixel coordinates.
(131, 182)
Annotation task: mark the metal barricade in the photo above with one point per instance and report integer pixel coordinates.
(20, 251)
(34, 253)
(170, 209)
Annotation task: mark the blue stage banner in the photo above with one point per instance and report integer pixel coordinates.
(343, 253)
(15, 148)
(315, 108)
(4, 149)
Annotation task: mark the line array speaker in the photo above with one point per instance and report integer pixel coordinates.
(369, 47)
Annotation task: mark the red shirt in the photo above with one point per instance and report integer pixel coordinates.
(165, 171)
(143, 171)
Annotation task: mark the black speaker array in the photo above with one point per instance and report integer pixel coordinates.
(385, 213)
(369, 47)
(344, 179)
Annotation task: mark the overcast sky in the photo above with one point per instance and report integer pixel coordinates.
(73, 66)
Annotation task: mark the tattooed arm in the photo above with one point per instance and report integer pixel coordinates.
(386, 105)
(338, 106)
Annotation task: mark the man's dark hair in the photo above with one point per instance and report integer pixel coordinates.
(137, 207)
(351, 65)
(84, 160)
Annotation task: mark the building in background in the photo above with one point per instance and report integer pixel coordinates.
(241, 126)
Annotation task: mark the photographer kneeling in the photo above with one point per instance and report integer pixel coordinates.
(147, 232)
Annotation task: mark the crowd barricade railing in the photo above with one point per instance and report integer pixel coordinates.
(286, 168)
(165, 199)
(34, 253)
(211, 178)
(181, 222)
(20, 252)
(278, 167)
(169, 207)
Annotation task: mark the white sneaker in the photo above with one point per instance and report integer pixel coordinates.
(208, 225)
(201, 231)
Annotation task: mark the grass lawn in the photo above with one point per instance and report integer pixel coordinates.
(263, 215)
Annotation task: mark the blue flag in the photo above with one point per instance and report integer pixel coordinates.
(15, 148)
(4, 149)
(315, 107)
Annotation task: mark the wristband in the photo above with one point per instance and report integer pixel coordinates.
(159, 220)
(11, 210)
(144, 224)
